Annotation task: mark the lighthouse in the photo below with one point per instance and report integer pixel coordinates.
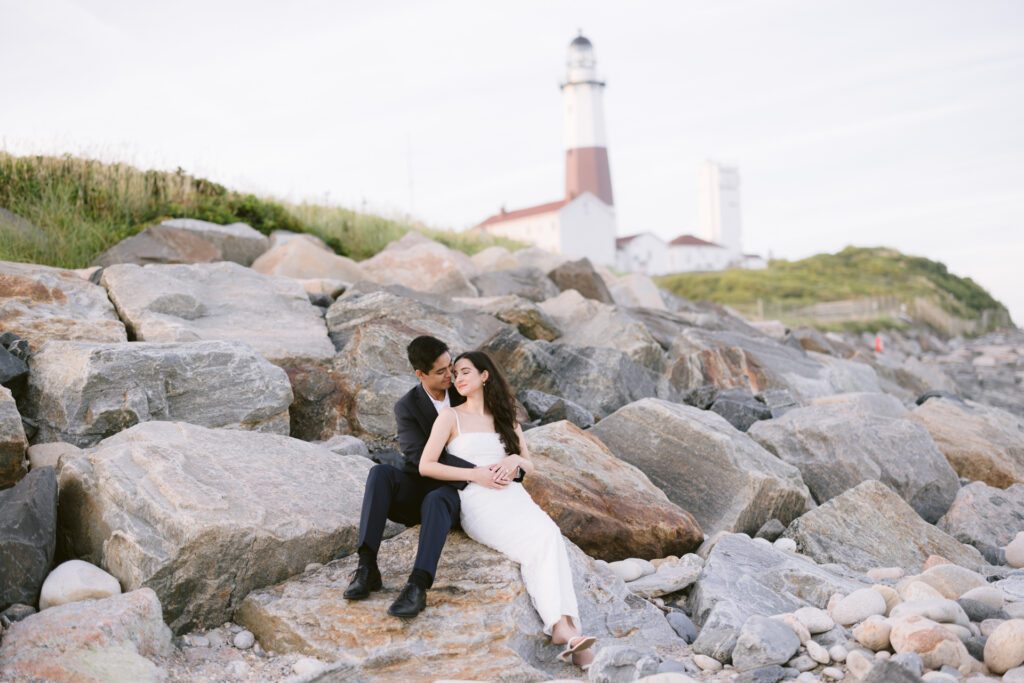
(586, 149)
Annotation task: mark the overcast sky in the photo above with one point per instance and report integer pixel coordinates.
(896, 123)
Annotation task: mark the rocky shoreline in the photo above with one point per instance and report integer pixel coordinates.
(185, 432)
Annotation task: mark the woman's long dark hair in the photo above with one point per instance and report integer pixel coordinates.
(498, 398)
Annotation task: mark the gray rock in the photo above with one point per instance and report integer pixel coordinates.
(236, 242)
(40, 303)
(581, 276)
(622, 664)
(12, 368)
(13, 442)
(528, 283)
(207, 515)
(15, 613)
(740, 408)
(222, 301)
(979, 611)
(763, 642)
(871, 526)
(763, 581)
(82, 393)
(985, 516)
(682, 625)
(717, 637)
(524, 315)
(779, 401)
(116, 639)
(160, 244)
(344, 444)
(28, 528)
(478, 597)
(762, 674)
(982, 443)
(911, 661)
(704, 465)
(670, 578)
(976, 647)
(889, 671)
(546, 409)
(836, 447)
(322, 271)
(771, 530)
(599, 379)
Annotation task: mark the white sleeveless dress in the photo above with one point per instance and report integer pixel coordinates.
(509, 521)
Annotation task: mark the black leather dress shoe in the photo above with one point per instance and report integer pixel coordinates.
(363, 581)
(409, 602)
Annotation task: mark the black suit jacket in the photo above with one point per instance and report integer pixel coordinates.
(415, 415)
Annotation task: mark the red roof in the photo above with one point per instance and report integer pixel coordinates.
(691, 241)
(523, 213)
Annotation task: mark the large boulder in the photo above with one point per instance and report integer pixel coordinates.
(535, 257)
(28, 533)
(982, 443)
(13, 443)
(523, 314)
(41, 303)
(494, 258)
(303, 259)
(96, 641)
(705, 466)
(236, 242)
(422, 264)
(871, 526)
(204, 516)
(528, 283)
(479, 622)
(371, 330)
(581, 276)
(985, 516)
(761, 580)
(637, 290)
(600, 379)
(588, 323)
(225, 301)
(607, 507)
(82, 393)
(837, 446)
(160, 244)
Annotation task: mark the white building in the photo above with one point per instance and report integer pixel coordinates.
(688, 253)
(718, 207)
(583, 223)
(642, 253)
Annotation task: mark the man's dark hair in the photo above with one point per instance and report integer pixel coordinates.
(424, 352)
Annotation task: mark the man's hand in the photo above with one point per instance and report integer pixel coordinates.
(505, 469)
(485, 477)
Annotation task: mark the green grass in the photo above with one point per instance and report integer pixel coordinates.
(853, 273)
(82, 207)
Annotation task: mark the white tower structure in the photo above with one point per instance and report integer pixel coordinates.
(719, 206)
(586, 150)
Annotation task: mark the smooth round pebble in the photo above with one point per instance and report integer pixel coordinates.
(76, 580)
(802, 663)
(837, 653)
(858, 606)
(882, 655)
(786, 545)
(816, 620)
(1015, 551)
(918, 590)
(707, 663)
(312, 567)
(939, 677)
(244, 640)
(307, 666)
(818, 652)
(1004, 649)
(807, 677)
(873, 633)
(832, 673)
(858, 663)
(987, 595)
(886, 573)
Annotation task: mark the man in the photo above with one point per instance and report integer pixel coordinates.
(403, 495)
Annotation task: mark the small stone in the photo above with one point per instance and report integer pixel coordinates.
(1015, 551)
(883, 655)
(939, 677)
(671, 666)
(885, 573)
(802, 663)
(807, 677)
(816, 620)
(934, 561)
(858, 606)
(312, 567)
(832, 673)
(918, 590)
(682, 625)
(771, 530)
(979, 611)
(889, 594)
(837, 653)
(1004, 649)
(763, 542)
(763, 642)
(628, 570)
(765, 674)
(707, 663)
(952, 580)
(244, 640)
(307, 666)
(858, 663)
(16, 613)
(817, 652)
(911, 661)
(989, 595)
(76, 580)
(258, 649)
(873, 633)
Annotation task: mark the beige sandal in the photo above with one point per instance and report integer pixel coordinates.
(574, 645)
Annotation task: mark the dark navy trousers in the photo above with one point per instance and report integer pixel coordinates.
(408, 499)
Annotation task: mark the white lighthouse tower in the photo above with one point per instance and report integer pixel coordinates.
(586, 149)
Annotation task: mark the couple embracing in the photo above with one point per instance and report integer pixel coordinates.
(465, 457)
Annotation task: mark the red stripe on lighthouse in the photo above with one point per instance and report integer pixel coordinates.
(587, 170)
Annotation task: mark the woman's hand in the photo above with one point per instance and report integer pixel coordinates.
(505, 469)
(486, 478)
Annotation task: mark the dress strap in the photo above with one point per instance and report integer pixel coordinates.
(457, 425)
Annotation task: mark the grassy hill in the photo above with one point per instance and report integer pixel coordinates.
(74, 209)
(880, 287)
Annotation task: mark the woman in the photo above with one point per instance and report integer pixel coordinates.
(498, 512)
